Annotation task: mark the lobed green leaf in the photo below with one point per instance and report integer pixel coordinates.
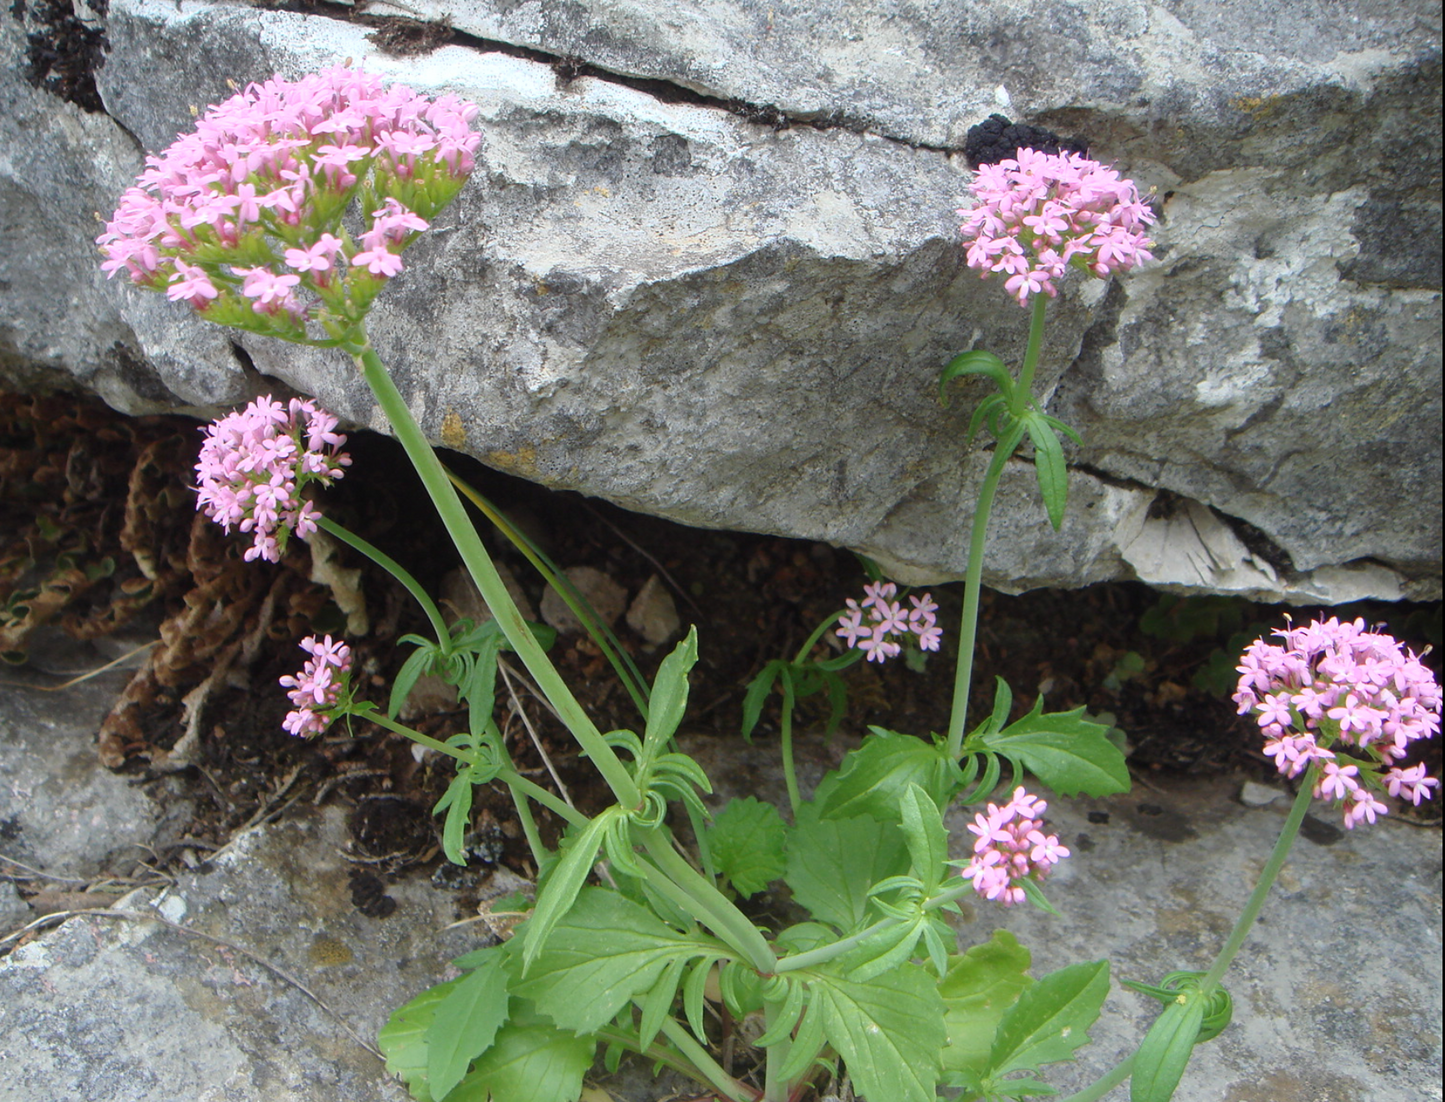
(874, 777)
(531, 1060)
(1068, 753)
(748, 839)
(977, 989)
(832, 863)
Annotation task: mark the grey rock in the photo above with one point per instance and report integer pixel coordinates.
(62, 811)
(652, 299)
(605, 597)
(1254, 794)
(653, 613)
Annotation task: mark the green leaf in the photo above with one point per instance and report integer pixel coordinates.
(457, 802)
(833, 862)
(1068, 753)
(1050, 1019)
(1160, 1062)
(659, 1001)
(531, 1060)
(888, 1029)
(989, 408)
(669, 694)
(978, 988)
(874, 777)
(555, 896)
(747, 840)
(885, 950)
(607, 950)
(927, 837)
(417, 663)
(1049, 465)
(403, 1040)
(977, 362)
(757, 695)
(465, 1024)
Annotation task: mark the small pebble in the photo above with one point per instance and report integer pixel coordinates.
(653, 613)
(1258, 795)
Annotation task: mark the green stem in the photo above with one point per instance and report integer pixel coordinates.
(394, 568)
(709, 905)
(972, 585)
(709, 1068)
(1105, 1083)
(807, 648)
(790, 776)
(1023, 389)
(489, 583)
(1266, 880)
(551, 802)
(775, 1089)
(656, 1053)
(835, 949)
(371, 715)
(529, 826)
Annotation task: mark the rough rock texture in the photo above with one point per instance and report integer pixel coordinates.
(652, 294)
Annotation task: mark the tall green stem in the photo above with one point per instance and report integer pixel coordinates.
(790, 775)
(1023, 390)
(972, 585)
(479, 565)
(973, 578)
(1267, 876)
(709, 905)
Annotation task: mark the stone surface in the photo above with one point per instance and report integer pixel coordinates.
(603, 595)
(135, 1011)
(653, 613)
(656, 297)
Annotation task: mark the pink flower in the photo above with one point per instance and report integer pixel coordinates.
(878, 625)
(267, 175)
(1329, 687)
(254, 464)
(317, 687)
(1011, 847)
(1042, 213)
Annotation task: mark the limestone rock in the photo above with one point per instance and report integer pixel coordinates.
(665, 288)
(653, 613)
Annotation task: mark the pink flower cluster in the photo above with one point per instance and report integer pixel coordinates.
(317, 687)
(1042, 213)
(254, 464)
(240, 215)
(1011, 847)
(1333, 685)
(874, 625)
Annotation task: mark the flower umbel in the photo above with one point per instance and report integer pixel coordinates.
(1011, 847)
(1337, 687)
(875, 625)
(242, 218)
(255, 464)
(318, 687)
(1042, 213)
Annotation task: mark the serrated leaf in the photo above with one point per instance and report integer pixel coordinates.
(607, 950)
(747, 839)
(889, 1030)
(1049, 465)
(531, 1060)
(668, 701)
(556, 894)
(403, 1039)
(1160, 1062)
(465, 1023)
(833, 862)
(978, 988)
(927, 837)
(873, 778)
(1068, 753)
(1050, 1019)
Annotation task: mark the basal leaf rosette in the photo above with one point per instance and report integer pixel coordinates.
(246, 217)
